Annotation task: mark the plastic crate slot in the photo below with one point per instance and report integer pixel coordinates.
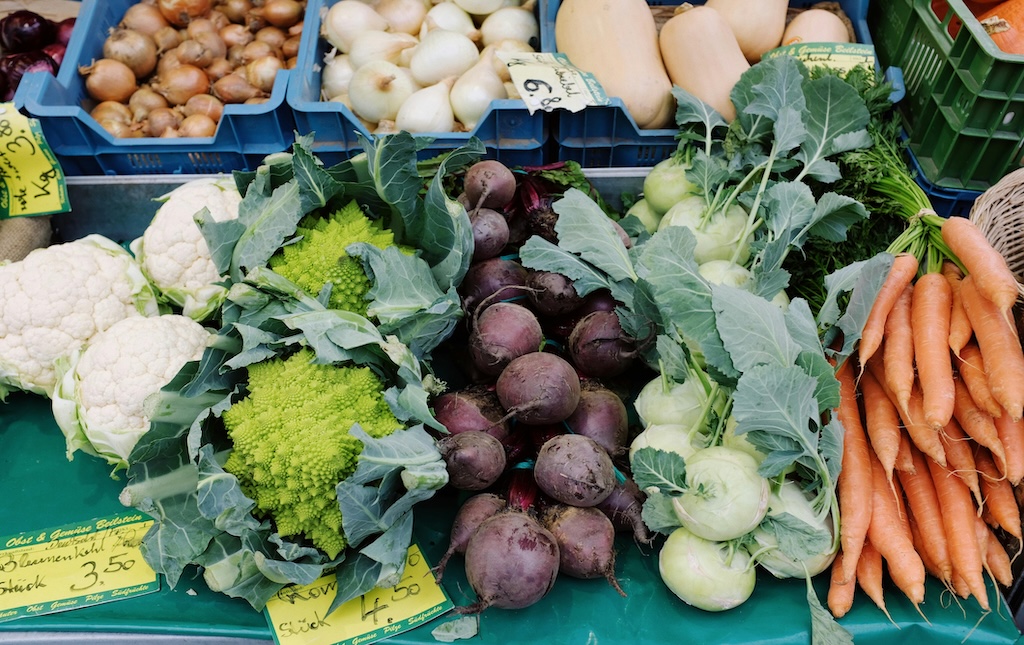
(145, 163)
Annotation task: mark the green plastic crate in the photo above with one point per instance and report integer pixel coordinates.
(964, 102)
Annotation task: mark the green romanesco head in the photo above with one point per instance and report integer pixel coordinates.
(320, 257)
(291, 441)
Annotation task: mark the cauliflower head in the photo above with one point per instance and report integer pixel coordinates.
(100, 399)
(291, 442)
(173, 252)
(319, 256)
(57, 299)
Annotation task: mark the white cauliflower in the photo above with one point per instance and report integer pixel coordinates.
(173, 251)
(59, 297)
(99, 401)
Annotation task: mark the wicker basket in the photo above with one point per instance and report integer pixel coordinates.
(999, 213)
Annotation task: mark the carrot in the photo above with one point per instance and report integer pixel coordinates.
(1000, 348)
(840, 594)
(903, 270)
(929, 564)
(977, 423)
(882, 422)
(898, 348)
(997, 561)
(1011, 435)
(982, 261)
(869, 576)
(960, 331)
(961, 458)
(855, 476)
(971, 368)
(890, 533)
(924, 506)
(960, 585)
(958, 517)
(904, 460)
(924, 436)
(931, 304)
(999, 499)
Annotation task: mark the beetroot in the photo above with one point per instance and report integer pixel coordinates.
(624, 507)
(490, 233)
(552, 294)
(474, 408)
(602, 416)
(503, 279)
(474, 460)
(501, 332)
(561, 326)
(586, 542)
(489, 184)
(574, 470)
(511, 562)
(599, 347)
(471, 514)
(538, 388)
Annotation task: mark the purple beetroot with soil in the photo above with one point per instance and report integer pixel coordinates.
(490, 233)
(602, 416)
(492, 281)
(599, 347)
(474, 460)
(586, 542)
(552, 294)
(470, 515)
(501, 332)
(489, 184)
(574, 470)
(624, 507)
(538, 388)
(474, 408)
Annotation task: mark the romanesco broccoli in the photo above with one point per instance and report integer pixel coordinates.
(320, 257)
(291, 441)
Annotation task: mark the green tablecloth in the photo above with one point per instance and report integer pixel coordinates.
(41, 489)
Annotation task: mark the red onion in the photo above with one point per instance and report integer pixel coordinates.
(64, 28)
(24, 31)
(15, 66)
(56, 52)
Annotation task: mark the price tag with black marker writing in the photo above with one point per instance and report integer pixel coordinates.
(31, 179)
(548, 81)
(298, 614)
(73, 566)
(838, 56)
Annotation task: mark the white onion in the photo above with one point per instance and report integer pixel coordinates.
(347, 19)
(480, 7)
(440, 54)
(404, 16)
(512, 90)
(378, 89)
(336, 75)
(510, 23)
(450, 17)
(506, 45)
(379, 45)
(428, 109)
(473, 92)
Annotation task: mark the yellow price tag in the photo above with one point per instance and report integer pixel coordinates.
(298, 614)
(548, 81)
(839, 56)
(74, 566)
(31, 179)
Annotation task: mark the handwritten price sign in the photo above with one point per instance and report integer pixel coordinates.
(31, 179)
(74, 566)
(548, 81)
(839, 56)
(298, 614)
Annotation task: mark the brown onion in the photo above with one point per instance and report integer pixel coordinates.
(236, 55)
(235, 10)
(109, 80)
(290, 48)
(197, 125)
(198, 26)
(118, 129)
(144, 100)
(256, 100)
(257, 49)
(213, 43)
(236, 35)
(206, 104)
(262, 72)
(133, 48)
(291, 62)
(234, 88)
(192, 52)
(219, 68)
(143, 18)
(170, 133)
(218, 19)
(273, 36)
(160, 120)
(296, 29)
(166, 39)
(181, 12)
(182, 83)
(111, 111)
(168, 61)
(282, 13)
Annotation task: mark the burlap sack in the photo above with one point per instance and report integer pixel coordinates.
(20, 235)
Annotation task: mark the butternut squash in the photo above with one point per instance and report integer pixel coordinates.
(816, 26)
(702, 56)
(617, 42)
(757, 24)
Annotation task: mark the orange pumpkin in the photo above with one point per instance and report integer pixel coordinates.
(1006, 25)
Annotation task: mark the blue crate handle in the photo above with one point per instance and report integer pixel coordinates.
(894, 75)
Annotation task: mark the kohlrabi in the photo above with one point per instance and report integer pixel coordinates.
(643, 211)
(713, 576)
(724, 498)
(664, 401)
(721, 235)
(666, 184)
(671, 437)
(795, 540)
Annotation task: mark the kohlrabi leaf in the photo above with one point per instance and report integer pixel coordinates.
(862, 281)
(797, 539)
(834, 215)
(692, 110)
(789, 208)
(658, 514)
(801, 326)
(752, 329)
(830, 445)
(539, 254)
(666, 265)
(584, 229)
(660, 469)
(824, 628)
(833, 109)
(779, 97)
(708, 172)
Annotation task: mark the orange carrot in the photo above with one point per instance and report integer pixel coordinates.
(898, 348)
(904, 458)
(960, 586)
(855, 476)
(931, 303)
(1000, 348)
(840, 594)
(903, 270)
(958, 517)
(997, 561)
(924, 506)
(922, 434)
(960, 455)
(977, 423)
(890, 534)
(1011, 435)
(882, 422)
(988, 267)
(869, 576)
(960, 331)
(971, 367)
(998, 492)
(929, 564)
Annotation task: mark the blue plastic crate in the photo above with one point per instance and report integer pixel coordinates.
(510, 133)
(245, 134)
(947, 202)
(607, 136)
